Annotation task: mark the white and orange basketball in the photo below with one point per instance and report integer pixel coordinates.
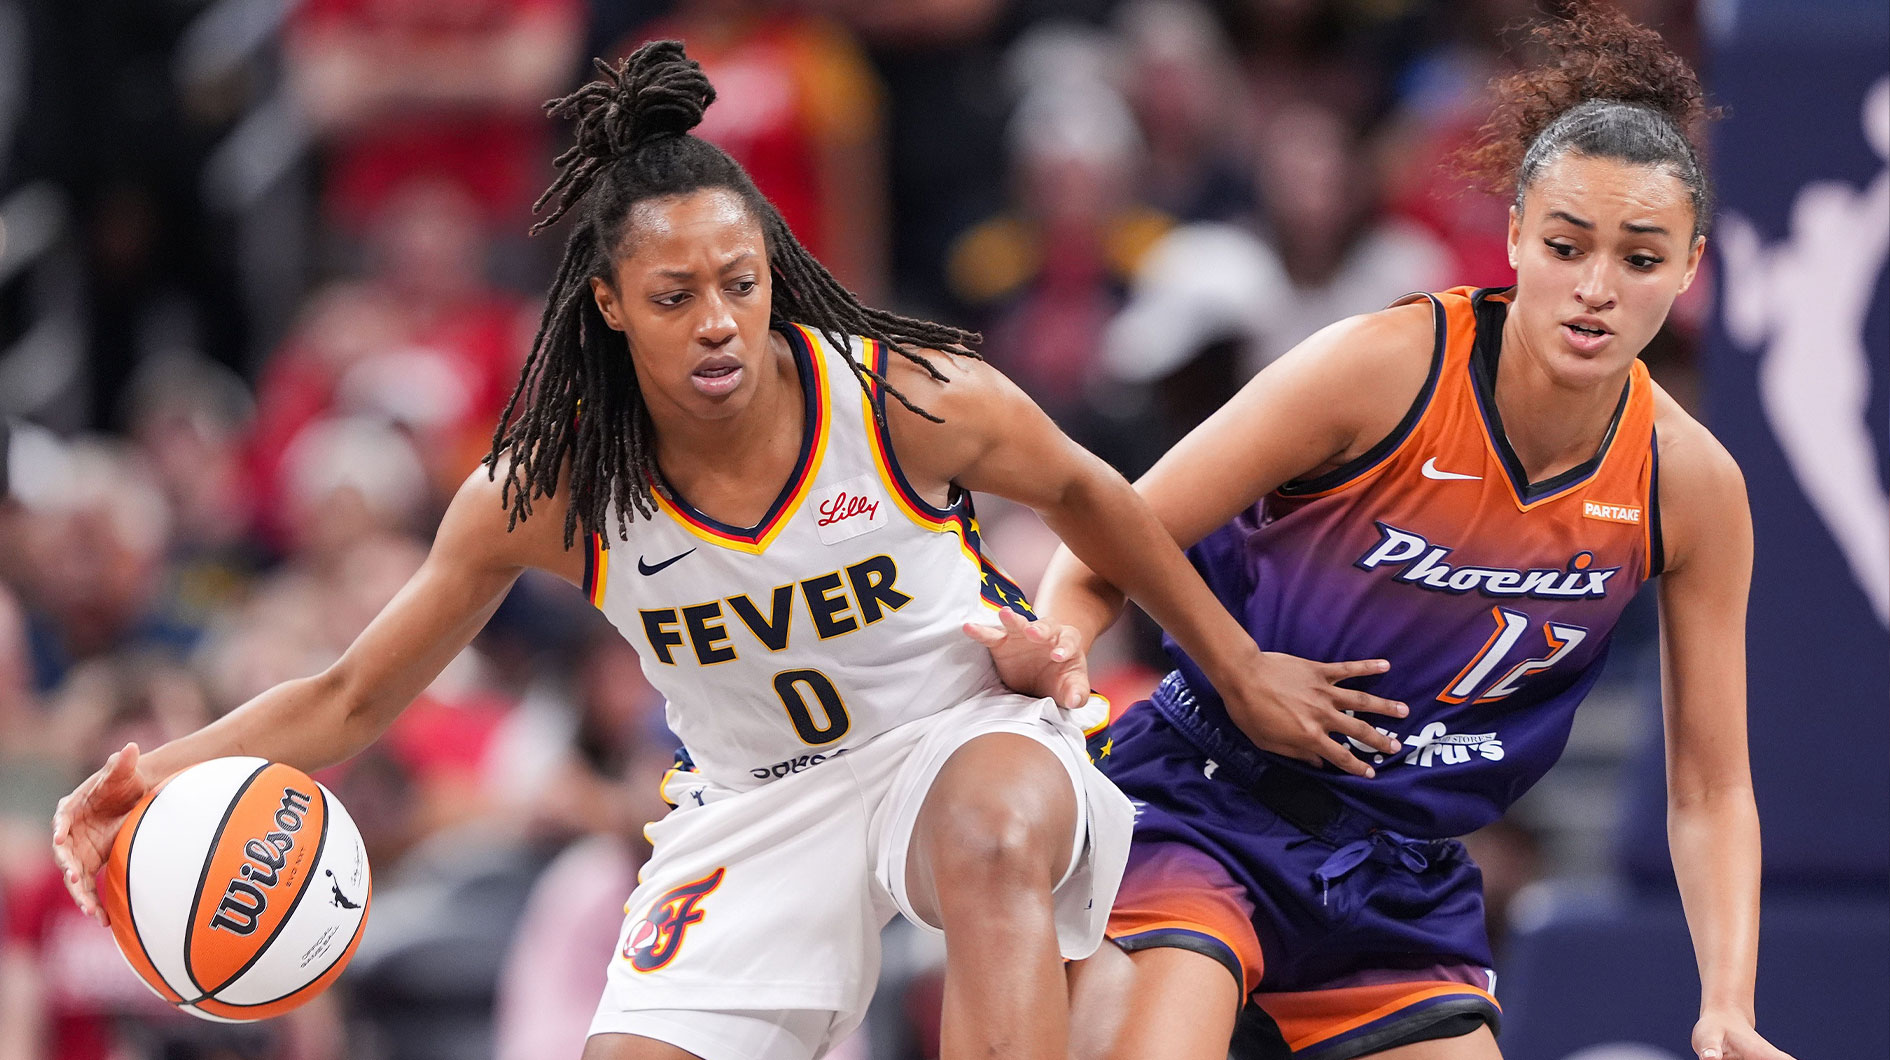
(238, 889)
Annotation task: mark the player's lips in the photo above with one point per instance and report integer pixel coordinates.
(717, 376)
(1586, 334)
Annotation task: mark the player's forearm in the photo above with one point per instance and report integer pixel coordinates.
(308, 722)
(1076, 596)
(1714, 839)
(1131, 551)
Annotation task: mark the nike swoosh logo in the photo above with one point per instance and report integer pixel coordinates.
(649, 568)
(1430, 471)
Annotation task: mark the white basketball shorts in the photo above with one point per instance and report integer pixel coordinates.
(770, 901)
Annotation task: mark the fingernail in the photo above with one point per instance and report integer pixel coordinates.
(1371, 774)
(1403, 710)
(1395, 748)
(1059, 655)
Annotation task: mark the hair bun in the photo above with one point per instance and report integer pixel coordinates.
(1595, 54)
(657, 91)
(667, 91)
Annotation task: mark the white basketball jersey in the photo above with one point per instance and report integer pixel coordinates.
(833, 620)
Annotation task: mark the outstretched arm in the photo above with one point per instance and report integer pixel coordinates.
(1321, 406)
(1712, 819)
(995, 439)
(316, 721)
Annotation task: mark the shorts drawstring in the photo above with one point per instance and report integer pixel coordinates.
(1380, 845)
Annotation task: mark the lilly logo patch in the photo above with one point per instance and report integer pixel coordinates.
(854, 507)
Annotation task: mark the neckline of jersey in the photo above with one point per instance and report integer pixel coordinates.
(1491, 306)
(808, 377)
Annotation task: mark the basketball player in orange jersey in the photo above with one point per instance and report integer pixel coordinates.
(796, 559)
(1468, 486)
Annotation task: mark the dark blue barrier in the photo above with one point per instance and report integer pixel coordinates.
(1798, 388)
(1588, 970)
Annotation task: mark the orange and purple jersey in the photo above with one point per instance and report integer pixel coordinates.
(1492, 597)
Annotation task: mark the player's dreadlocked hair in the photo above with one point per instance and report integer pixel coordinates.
(577, 397)
(1608, 89)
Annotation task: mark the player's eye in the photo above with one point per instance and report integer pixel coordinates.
(1644, 262)
(670, 301)
(1561, 250)
(746, 286)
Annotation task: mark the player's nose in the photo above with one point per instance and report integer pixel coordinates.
(717, 323)
(1594, 286)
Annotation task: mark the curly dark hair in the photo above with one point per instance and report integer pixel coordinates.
(577, 397)
(1608, 88)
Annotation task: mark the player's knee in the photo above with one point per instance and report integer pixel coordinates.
(993, 841)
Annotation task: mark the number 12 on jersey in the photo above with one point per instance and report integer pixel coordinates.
(1510, 627)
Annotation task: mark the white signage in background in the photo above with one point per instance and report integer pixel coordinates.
(1802, 303)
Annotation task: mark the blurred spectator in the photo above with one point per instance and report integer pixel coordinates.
(1329, 254)
(567, 936)
(104, 125)
(1442, 102)
(565, 751)
(1326, 50)
(945, 104)
(17, 707)
(405, 89)
(95, 533)
(1050, 271)
(349, 480)
(800, 109)
(1191, 108)
(190, 418)
(423, 341)
(925, 22)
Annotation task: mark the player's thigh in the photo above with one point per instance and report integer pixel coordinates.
(632, 1047)
(1003, 802)
(1479, 1044)
(1162, 1003)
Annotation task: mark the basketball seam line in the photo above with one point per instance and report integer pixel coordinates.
(196, 903)
(321, 843)
(131, 910)
(359, 926)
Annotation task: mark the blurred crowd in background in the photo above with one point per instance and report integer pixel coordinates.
(265, 286)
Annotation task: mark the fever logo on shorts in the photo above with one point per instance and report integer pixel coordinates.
(654, 941)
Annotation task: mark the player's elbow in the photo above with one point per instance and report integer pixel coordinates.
(1088, 486)
(356, 710)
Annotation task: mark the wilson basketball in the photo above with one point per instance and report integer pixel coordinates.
(238, 889)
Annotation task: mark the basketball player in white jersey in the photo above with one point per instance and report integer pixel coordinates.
(703, 441)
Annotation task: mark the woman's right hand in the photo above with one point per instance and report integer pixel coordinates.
(86, 822)
(1293, 707)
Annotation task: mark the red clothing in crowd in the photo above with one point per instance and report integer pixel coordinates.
(786, 84)
(85, 981)
(501, 154)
